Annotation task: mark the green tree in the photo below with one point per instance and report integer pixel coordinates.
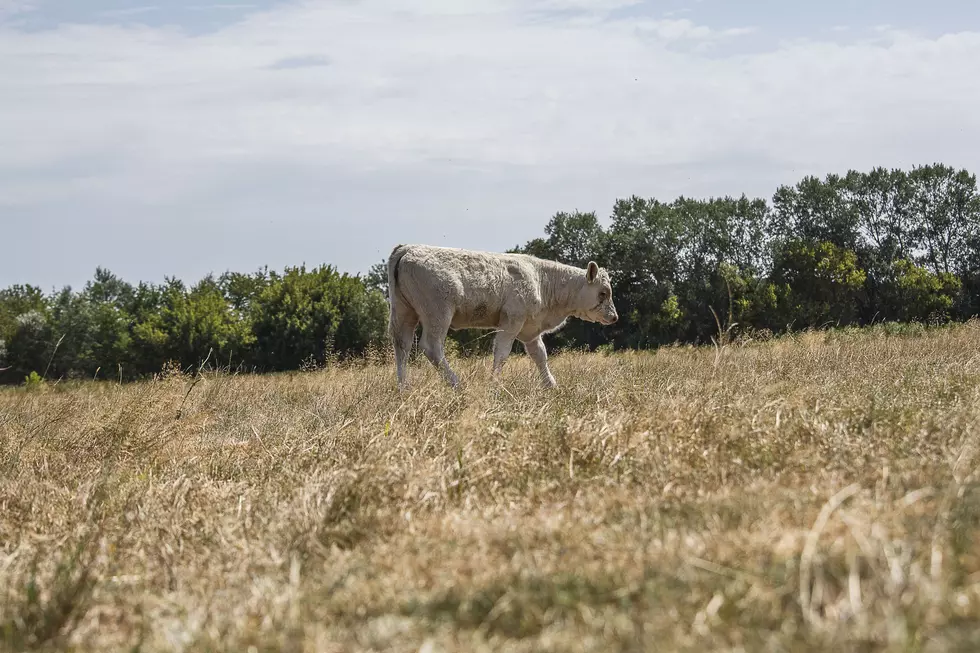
(16, 301)
(815, 211)
(91, 329)
(377, 278)
(722, 247)
(110, 299)
(644, 253)
(720, 230)
(29, 346)
(148, 335)
(914, 293)
(241, 290)
(946, 208)
(364, 317)
(200, 323)
(818, 284)
(879, 200)
(107, 288)
(575, 238)
(71, 331)
(315, 313)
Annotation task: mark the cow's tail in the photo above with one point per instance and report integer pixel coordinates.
(394, 293)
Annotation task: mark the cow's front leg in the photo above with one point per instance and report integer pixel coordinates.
(536, 350)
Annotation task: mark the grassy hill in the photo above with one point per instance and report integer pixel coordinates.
(815, 492)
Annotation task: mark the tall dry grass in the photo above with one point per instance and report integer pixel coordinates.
(817, 492)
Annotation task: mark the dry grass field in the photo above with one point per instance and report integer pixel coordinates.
(816, 492)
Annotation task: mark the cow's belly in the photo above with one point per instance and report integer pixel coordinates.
(476, 317)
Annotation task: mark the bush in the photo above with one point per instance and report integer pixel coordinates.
(821, 283)
(33, 381)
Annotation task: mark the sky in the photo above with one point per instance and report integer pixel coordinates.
(198, 136)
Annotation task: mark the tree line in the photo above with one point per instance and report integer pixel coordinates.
(886, 245)
(264, 321)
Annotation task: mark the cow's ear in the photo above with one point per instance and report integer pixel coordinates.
(592, 272)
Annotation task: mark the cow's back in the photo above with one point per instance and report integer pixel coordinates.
(471, 287)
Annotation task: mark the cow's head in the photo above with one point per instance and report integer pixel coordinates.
(595, 302)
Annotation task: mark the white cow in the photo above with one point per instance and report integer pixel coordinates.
(519, 296)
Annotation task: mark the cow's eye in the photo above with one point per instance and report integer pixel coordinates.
(602, 297)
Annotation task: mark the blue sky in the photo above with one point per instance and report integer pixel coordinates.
(779, 19)
(192, 16)
(189, 137)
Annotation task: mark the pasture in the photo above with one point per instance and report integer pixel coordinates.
(814, 492)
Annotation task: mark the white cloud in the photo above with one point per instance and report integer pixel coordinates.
(682, 29)
(126, 12)
(588, 5)
(139, 117)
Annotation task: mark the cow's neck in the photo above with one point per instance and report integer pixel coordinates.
(560, 287)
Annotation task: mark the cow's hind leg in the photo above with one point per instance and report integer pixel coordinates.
(434, 345)
(404, 338)
(403, 322)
